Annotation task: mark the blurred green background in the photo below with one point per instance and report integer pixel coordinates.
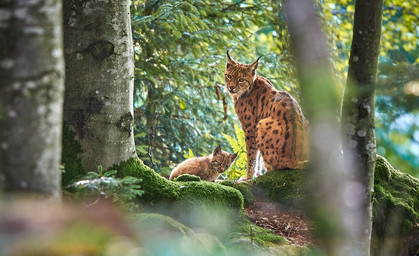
(180, 105)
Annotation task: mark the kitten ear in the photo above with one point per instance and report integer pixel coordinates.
(217, 151)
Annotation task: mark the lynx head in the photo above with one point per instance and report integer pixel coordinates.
(221, 159)
(239, 77)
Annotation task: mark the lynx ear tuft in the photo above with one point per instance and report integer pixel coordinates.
(228, 56)
(230, 60)
(255, 64)
(217, 151)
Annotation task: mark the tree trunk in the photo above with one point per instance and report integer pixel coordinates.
(98, 105)
(31, 95)
(336, 200)
(358, 103)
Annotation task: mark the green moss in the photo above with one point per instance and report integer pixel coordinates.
(154, 220)
(187, 177)
(244, 188)
(158, 189)
(70, 158)
(283, 187)
(254, 234)
(178, 238)
(396, 204)
(210, 192)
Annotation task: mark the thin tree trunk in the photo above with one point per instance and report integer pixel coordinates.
(358, 103)
(335, 201)
(31, 95)
(98, 105)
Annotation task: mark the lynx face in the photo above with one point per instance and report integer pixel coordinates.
(221, 160)
(239, 77)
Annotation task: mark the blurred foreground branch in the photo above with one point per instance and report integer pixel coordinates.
(336, 198)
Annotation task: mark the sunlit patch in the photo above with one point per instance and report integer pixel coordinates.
(412, 87)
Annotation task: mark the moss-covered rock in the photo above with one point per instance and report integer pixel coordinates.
(244, 189)
(214, 207)
(396, 208)
(187, 177)
(395, 202)
(212, 193)
(154, 220)
(156, 188)
(159, 190)
(283, 187)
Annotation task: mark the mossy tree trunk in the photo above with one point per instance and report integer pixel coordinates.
(336, 200)
(98, 105)
(358, 103)
(31, 95)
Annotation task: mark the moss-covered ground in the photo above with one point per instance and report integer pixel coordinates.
(285, 188)
(246, 239)
(193, 202)
(395, 203)
(178, 238)
(199, 204)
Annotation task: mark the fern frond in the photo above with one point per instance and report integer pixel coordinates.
(233, 143)
(240, 136)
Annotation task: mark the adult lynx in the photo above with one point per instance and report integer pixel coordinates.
(272, 120)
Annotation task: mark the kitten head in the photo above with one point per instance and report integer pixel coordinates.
(221, 159)
(239, 77)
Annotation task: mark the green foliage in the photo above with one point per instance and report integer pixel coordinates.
(96, 185)
(396, 105)
(188, 154)
(239, 167)
(180, 58)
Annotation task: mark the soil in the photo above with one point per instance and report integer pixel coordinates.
(289, 224)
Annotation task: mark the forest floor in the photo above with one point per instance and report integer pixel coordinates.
(289, 224)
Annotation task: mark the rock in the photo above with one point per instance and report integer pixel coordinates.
(395, 211)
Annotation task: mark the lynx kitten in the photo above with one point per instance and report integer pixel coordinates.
(206, 167)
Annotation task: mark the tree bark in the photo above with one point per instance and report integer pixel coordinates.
(358, 103)
(98, 105)
(337, 200)
(31, 95)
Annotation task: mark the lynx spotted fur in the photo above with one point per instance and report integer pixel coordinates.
(272, 120)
